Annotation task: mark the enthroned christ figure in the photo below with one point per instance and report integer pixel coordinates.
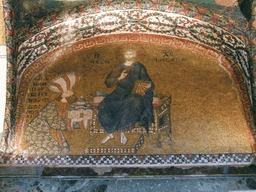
(124, 107)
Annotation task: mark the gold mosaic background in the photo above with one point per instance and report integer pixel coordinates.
(206, 111)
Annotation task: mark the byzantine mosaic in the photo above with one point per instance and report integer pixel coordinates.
(128, 21)
(98, 24)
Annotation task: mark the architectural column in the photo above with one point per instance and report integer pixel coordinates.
(2, 68)
(7, 141)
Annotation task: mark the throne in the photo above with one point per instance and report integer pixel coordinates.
(162, 121)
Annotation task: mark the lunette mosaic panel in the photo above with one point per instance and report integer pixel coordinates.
(177, 28)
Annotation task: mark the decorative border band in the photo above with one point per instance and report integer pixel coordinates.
(130, 160)
(132, 21)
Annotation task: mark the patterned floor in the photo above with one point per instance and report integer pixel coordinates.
(174, 184)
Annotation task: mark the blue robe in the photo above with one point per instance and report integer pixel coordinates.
(122, 108)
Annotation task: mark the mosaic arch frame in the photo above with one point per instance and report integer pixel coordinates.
(179, 30)
(50, 58)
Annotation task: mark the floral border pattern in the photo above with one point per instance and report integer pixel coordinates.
(130, 21)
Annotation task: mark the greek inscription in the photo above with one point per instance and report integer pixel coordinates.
(99, 62)
(39, 84)
(34, 106)
(41, 78)
(38, 94)
(97, 59)
(33, 112)
(170, 59)
(96, 55)
(37, 89)
(34, 100)
(45, 99)
(168, 56)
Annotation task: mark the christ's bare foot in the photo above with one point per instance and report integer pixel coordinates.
(110, 136)
(123, 138)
